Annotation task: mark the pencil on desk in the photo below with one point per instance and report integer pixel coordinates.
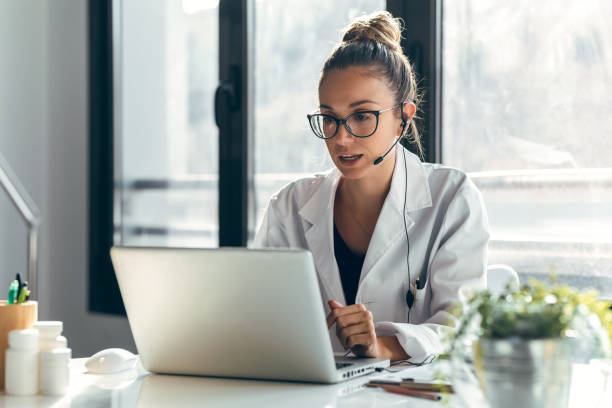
(378, 383)
(417, 386)
(396, 389)
(428, 386)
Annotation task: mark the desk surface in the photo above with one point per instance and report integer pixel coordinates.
(137, 388)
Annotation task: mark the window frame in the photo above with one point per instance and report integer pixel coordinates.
(422, 44)
(104, 295)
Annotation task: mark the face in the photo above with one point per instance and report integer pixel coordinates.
(344, 92)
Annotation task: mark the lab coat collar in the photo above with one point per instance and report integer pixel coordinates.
(416, 192)
(389, 228)
(322, 201)
(318, 212)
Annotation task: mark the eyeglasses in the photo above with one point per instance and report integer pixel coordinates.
(359, 124)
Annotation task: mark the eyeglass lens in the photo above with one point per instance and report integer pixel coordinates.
(359, 124)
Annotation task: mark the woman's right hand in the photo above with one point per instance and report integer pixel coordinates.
(354, 328)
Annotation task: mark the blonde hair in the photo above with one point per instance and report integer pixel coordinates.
(374, 41)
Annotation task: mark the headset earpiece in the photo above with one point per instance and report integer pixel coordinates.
(404, 120)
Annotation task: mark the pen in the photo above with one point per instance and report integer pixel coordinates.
(13, 291)
(23, 294)
(396, 389)
(18, 279)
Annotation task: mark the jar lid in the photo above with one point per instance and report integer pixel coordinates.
(27, 338)
(49, 328)
(62, 340)
(56, 356)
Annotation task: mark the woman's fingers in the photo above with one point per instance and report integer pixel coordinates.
(364, 341)
(354, 324)
(331, 317)
(354, 328)
(334, 305)
(353, 318)
(350, 331)
(341, 311)
(345, 316)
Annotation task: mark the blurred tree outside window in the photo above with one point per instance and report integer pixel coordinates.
(527, 96)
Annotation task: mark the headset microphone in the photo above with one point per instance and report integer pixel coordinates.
(404, 122)
(380, 158)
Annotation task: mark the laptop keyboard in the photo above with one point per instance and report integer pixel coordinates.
(342, 365)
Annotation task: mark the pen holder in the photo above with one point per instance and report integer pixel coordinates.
(14, 317)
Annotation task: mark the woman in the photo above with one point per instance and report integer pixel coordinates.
(393, 239)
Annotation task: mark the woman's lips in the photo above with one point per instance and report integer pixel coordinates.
(348, 159)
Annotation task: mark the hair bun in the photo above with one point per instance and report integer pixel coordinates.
(380, 26)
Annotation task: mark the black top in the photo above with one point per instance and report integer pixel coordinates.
(349, 264)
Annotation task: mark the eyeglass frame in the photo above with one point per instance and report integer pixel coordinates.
(376, 113)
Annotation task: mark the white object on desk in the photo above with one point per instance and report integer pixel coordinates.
(55, 371)
(110, 361)
(49, 335)
(21, 375)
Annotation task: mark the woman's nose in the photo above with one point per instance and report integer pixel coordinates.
(343, 137)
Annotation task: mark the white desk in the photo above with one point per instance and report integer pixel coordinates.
(137, 388)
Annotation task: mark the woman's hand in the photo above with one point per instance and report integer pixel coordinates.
(354, 328)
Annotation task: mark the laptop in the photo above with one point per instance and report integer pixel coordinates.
(231, 312)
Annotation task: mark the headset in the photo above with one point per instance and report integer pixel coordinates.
(419, 283)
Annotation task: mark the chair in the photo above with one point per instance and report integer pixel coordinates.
(498, 277)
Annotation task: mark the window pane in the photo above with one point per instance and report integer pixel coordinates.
(167, 154)
(527, 97)
(291, 45)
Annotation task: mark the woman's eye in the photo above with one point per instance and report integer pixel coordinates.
(362, 116)
(327, 120)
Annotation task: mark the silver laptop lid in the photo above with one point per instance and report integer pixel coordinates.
(230, 312)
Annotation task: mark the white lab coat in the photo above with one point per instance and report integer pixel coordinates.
(448, 235)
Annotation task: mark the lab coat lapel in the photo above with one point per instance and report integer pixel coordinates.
(389, 229)
(318, 212)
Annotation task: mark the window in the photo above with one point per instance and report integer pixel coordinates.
(525, 110)
(166, 155)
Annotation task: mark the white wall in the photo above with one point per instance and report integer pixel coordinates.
(44, 136)
(23, 118)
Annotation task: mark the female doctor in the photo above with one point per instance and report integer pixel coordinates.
(394, 240)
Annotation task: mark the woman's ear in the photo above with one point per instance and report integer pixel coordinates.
(408, 111)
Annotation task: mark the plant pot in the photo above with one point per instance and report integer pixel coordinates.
(524, 373)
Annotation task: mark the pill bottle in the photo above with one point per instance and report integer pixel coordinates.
(21, 369)
(55, 371)
(49, 335)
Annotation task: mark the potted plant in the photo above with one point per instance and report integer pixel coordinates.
(522, 343)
